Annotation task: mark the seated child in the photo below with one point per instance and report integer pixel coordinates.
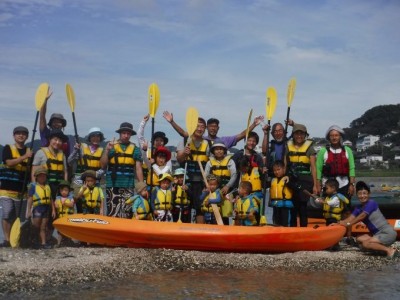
(280, 195)
(161, 199)
(40, 207)
(246, 206)
(211, 195)
(91, 196)
(181, 195)
(140, 204)
(64, 204)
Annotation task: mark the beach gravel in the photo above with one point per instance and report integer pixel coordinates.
(26, 270)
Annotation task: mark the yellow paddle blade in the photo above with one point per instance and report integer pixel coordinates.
(272, 99)
(154, 99)
(263, 221)
(192, 118)
(41, 94)
(70, 96)
(248, 123)
(291, 90)
(15, 233)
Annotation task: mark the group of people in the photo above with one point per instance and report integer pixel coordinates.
(140, 182)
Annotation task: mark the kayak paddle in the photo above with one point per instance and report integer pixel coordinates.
(71, 102)
(154, 100)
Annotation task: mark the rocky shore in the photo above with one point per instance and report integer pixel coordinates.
(25, 270)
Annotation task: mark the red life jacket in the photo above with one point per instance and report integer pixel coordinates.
(337, 164)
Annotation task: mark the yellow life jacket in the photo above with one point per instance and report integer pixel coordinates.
(245, 206)
(55, 165)
(279, 190)
(208, 207)
(143, 210)
(254, 178)
(299, 161)
(122, 162)
(89, 160)
(163, 201)
(63, 210)
(181, 197)
(41, 195)
(196, 154)
(92, 197)
(334, 212)
(155, 176)
(145, 169)
(220, 168)
(17, 172)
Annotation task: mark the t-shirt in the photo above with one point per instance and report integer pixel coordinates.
(375, 221)
(11, 185)
(229, 141)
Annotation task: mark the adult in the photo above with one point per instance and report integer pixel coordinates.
(197, 149)
(336, 161)
(57, 121)
(212, 130)
(277, 146)
(13, 175)
(300, 164)
(121, 159)
(383, 235)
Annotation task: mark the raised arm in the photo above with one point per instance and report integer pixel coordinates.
(42, 113)
(257, 120)
(170, 119)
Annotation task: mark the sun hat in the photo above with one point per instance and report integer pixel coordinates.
(94, 131)
(299, 127)
(160, 134)
(218, 143)
(57, 133)
(165, 176)
(57, 116)
(21, 129)
(180, 171)
(40, 170)
(64, 183)
(140, 186)
(125, 126)
(163, 150)
(336, 128)
(88, 173)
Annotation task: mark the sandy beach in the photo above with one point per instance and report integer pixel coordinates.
(26, 270)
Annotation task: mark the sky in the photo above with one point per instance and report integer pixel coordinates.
(217, 56)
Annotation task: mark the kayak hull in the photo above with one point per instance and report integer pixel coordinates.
(112, 231)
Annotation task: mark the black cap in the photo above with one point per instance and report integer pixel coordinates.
(160, 134)
(21, 129)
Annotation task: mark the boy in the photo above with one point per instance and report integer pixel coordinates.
(64, 204)
(280, 195)
(246, 206)
(211, 195)
(91, 195)
(161, 199)
(181, 196)
(140, 204)
(40, 206)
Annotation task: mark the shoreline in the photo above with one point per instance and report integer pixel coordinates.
(26, 270)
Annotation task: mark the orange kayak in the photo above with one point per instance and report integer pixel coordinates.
(358, 228)
(112, 231)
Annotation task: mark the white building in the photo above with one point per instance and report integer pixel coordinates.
(366, 142)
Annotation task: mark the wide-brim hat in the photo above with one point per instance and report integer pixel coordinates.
(218, 144)
(58, 116)
(299, 127)
(125, 126)
(180, 171)
(94, 131)
(160, 134)
(163, 150)
(140, 186)
(165, 176)
(57, 133)
(40, 170)
(21, 129)
(88, 173)
(336, 128)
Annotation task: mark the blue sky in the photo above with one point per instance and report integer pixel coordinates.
(219, 56)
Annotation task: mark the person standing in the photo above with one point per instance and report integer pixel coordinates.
(121, 159)
(13, 175)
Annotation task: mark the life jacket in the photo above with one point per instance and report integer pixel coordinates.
(163, 201)
(197, 154)
(279, 190)
(17, 172)
(181, 197)
(245, 206)
(143, 210)
(122, 163)
(334, 212)
(208, 207)
(254, 178)
(220, 168)
(41, 195)
(337, 164)
(155, 176)
(92, 197)
(89, 160)
(55, 165)
(145, 169)
(299, 161)
(63, 210)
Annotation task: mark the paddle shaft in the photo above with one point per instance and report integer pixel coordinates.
(266, 174)
(287, 120)
(152, 151)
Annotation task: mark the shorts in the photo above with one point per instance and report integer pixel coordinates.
(386, 236)
(41, 211)
(12, 207)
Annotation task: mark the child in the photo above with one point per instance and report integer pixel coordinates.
(181, 196)
(161, 199)
(64, 204)
(246, 206)
(140, 204)
(334, 203)
(91, 195)
(160, 166)
(383, 235)
(280, 195)
(211, 195)
(40, 206)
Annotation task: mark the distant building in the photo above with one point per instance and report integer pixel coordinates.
(364, 142)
